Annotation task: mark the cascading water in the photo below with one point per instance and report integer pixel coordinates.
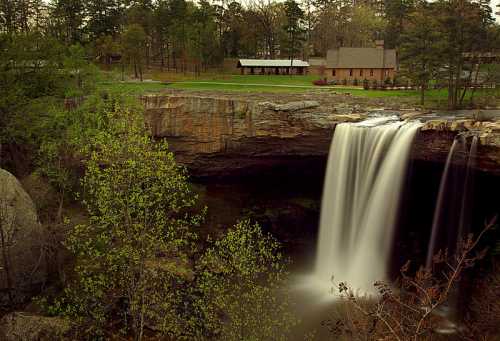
(452, 215)
(365, 173)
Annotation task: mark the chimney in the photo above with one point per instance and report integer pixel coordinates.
(379, 44)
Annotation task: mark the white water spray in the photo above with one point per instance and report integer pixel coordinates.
(365, 173)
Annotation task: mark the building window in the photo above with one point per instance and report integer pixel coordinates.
(350, 72)
(361, 72)
(371, 72)
(333, 73)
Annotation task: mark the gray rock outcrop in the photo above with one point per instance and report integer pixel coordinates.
(21, 241)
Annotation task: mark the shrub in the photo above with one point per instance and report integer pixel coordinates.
(242, 278)
(320, 82)
(366, 84)
(408, 312)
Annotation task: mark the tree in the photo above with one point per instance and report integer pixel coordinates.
(294, 29)
(269, 16)
(69, 16)
(20, 15)
(204, 46)
(243, 277)
(104, 17)
(396, 14)
(133, 46)
(464, 25)
(162, 22)
(137, 200)
(421, 48)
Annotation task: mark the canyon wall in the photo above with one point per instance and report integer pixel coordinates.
(220, 135)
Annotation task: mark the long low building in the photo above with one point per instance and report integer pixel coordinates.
(272, 66)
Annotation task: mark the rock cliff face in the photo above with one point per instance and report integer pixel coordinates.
(218, 136)
(21, 242)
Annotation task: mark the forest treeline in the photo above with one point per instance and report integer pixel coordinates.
(432, 38)
(173, 31)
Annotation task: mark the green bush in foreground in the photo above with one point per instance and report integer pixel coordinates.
(242, 279)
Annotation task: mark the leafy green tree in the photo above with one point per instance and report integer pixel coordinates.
(69, 16)
(104, 17)
(133, 43)
(181, 12)
(242, 277)
(421, 48)
(162, 22)
(137, 200)
(464, 25)
(18, 16)
(204, 44)
(396, 14)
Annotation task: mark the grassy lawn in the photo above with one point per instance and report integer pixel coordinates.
(129, 89)
(261, 83)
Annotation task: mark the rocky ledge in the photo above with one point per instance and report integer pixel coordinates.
(224, 135)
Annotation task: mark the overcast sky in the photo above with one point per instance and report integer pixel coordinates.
(495, 2)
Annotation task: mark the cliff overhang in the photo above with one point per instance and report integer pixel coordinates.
(225, 135)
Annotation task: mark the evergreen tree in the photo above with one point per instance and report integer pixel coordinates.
(421, 48)
(294, 28)
(69, 17)
(104, 17)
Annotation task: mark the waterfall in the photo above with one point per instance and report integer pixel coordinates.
(451, 219)
(364, 178)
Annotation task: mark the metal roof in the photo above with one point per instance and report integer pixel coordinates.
(271, 63)
(317, 61)
(361, 57)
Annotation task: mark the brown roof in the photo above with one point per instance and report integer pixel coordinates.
(361, 57)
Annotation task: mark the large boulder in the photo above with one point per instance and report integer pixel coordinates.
(21, 326)
(22, 266)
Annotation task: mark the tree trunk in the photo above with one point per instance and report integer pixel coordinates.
(475, 82)
(450, 88)
(422, 94)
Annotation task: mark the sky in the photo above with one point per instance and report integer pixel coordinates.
(495, 2)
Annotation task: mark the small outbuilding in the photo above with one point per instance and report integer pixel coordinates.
(272, 66)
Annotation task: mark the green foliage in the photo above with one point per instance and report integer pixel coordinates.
(37, 73)
(133, 46)
(137, 199)
(241, 278)
(294, 27)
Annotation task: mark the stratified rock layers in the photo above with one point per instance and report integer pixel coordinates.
(218, 136)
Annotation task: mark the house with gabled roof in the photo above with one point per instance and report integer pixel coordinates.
(359, 63)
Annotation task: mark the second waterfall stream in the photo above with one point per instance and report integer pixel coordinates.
(366, 171)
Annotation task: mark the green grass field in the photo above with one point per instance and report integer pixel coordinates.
(262, 83)
(129, 88)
